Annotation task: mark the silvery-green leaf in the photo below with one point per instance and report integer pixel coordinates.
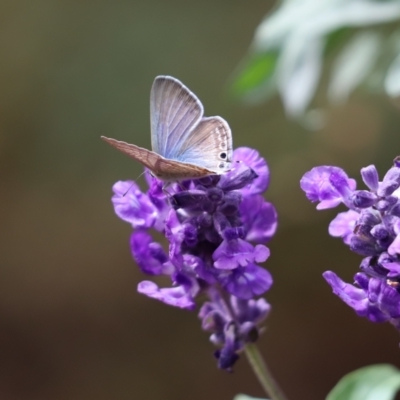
(287, 18)
(246, 397)
(299, 69)
(392, 79)
(353, 64)
(319, 17)
(375, 382)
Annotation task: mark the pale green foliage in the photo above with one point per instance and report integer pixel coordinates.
(376, 382)
(356, 40)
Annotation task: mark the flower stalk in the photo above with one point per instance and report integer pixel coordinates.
(262, 372)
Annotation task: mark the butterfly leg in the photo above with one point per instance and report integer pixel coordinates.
(165, 191)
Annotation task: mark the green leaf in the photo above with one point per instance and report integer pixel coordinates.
(257, 74)
(335, 39)
(375, 382)
(245, 397)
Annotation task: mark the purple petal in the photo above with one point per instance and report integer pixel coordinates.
(343, 225)
(246, 282)
(392, 175)
(329, 185)
(233, 253)
(253, 160)
(361, 300)
(370, 177)
(176, 296)
(227, 354)
(237, 178)
(394, 248)
(261, 253)
(250, 310)
(355, 297)
(149, 255)
(175, 233)
(259, 217)
(132, 206)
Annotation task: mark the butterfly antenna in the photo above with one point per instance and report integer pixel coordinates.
(133, 183)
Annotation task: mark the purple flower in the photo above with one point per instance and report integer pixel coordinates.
(251, 158)
(133, 206)
(259, 219)
(371, 228)
(328, 185)
(216, 228)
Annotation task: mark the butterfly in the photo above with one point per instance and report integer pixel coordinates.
(185, 144)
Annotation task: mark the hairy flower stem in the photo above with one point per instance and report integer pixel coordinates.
(262, 372)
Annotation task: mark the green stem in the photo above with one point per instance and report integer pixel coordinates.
(262, 372)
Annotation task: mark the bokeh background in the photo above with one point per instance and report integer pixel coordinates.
(71, 323)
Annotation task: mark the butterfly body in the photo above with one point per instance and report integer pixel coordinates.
(185, 144)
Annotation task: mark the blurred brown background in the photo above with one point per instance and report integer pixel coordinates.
(71, 323)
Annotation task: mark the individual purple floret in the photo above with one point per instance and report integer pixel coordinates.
(371, 228)
(216, 228)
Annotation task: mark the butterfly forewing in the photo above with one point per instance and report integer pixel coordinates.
(146, 157)
(174, 112)
(209, 145)
(162, 168)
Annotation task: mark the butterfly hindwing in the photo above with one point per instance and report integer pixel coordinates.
(209, 145)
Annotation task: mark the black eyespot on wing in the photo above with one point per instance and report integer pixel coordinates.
(222, 165)
(223, 155)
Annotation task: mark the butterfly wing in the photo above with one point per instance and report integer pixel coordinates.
(146, 157)
(209, 145)
(174, 112)
(162, 168)
(185, 145)
(180, 133)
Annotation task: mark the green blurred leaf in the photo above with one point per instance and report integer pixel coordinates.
(375, 382)
(256, 74)
(392, 79)
(246, 397)
(335, 39)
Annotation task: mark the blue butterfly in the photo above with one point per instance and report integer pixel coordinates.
(185, 144)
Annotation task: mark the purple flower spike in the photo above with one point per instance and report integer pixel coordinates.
(371, 228)
(216, 228)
